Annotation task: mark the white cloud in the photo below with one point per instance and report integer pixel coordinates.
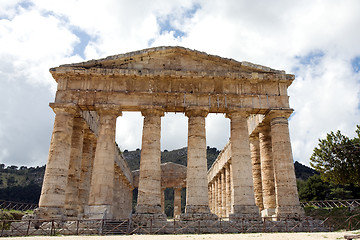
(40, 34)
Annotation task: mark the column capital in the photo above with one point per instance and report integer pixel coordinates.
(196, 112)
(277, 113)
(237, 114)
(254, 137)
(152, 111)
(264, 127)
(108, 109)
(70, 108)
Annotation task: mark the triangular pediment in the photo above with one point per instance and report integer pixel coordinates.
(171, 58)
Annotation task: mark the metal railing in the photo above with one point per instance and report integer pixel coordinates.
(153, 226)
(332, 203)
(10, 205)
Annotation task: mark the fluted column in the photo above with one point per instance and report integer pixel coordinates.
(213, 194)
(72, 188)
(52, 197)
(244, 201)
(256, 170)
(197, 202)
(89, 146)
(285, 181)
(227, 190)
(149, 192)
(102, 181)
(223, 193)
(216, 196)
(267, 172)
(177, 202)
(219, 200)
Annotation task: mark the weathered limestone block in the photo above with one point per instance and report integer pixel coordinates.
(267, 172)
(52, 197)
(256, 171)
(197, 202)
(72, 188)
(285, 182)
(149, 191)
(102, 181)
(244, 201)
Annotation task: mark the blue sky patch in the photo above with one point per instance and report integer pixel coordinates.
(84, 40)
(26, 4)
(355, 63)
(313, 58)
(167, 23)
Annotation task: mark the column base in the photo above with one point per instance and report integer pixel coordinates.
(293, 212)
(197, 212)
(248, 212)
(46, 213)
(268, 212)
(146, 219)
(149, 209)
(99, 212)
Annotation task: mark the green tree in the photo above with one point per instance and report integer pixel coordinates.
(313, 189)
(337, 158)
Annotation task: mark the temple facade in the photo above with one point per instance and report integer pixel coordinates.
(86, 175)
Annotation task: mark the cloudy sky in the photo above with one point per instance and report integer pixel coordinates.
(318, 41)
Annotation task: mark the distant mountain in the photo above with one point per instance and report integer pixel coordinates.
(303, 172)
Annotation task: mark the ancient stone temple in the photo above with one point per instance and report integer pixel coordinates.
(86, 175)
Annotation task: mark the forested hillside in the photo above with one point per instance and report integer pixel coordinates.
(21, 184)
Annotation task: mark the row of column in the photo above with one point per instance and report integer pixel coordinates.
(220, 192)
(265, 181)
(149, 191)
(197, 201)
(273, 168)
(80, 173)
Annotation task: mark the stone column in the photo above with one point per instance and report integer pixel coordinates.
(102, 181)
(228, 190)
(216, 199)
(163, 200)
(256, 170)
(197, 202)
(213, 196)
(88, 154)
(223, 193)
(52, 197)
(219, 199)
(117, 194)
(177, 202)
(285, 181)
(72, 188)
(244, 201)
(267, 172)
(209, 196)
(149, 191)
